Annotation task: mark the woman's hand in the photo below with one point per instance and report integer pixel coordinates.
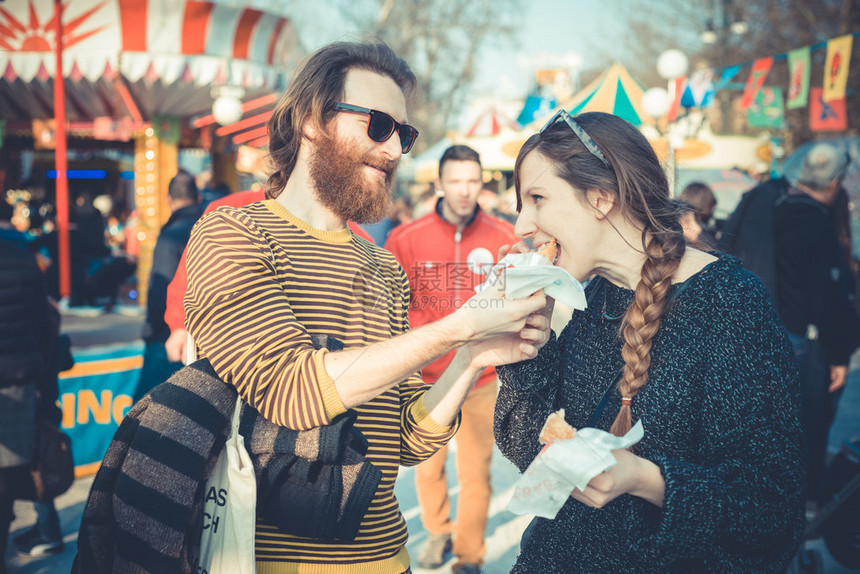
(632, 475)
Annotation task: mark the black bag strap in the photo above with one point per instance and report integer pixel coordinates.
(599, 410)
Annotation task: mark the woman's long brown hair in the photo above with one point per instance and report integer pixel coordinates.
(639, 184)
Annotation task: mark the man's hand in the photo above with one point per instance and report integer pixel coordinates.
(176, 344)
(838, 375)
(513, 347)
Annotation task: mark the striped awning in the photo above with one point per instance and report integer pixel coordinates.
(168, 53)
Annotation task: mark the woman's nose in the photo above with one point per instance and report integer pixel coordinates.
(524, 227)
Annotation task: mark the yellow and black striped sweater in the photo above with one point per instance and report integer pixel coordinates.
(259, 281)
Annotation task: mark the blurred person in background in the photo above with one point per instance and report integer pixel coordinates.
(692, 228)
(24, 349)
(701, 198)
(182, 197)
(815, 296)
(106, 277)
(760, 172)
(425, 202)
(87, 247)
(213, 192)
(446, 254)
(399, 212)
(45, 537)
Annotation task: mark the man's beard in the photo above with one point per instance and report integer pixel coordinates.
(338, 176)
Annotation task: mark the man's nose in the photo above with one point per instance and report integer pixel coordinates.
(392, 148)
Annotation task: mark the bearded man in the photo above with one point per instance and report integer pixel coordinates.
(265, 277)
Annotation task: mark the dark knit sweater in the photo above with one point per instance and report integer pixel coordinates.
(720, 412)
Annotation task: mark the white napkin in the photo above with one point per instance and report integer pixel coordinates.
(530, 272)
(567, 464)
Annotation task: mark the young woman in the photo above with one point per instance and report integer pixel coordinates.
(685, 341)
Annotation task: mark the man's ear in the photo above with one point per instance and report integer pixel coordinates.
(437, 184)
(310, 129)
(601, 201)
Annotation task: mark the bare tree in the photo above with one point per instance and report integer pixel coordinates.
(773, 27)
(442, 40)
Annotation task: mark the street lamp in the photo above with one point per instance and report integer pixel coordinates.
(730, 22)
(227, 104)
(671, 64)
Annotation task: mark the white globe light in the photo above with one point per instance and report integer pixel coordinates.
(655, 102)
(739, 27)
(227, 110)
(672, 64)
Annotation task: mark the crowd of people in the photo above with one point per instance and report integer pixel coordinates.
(729, 342)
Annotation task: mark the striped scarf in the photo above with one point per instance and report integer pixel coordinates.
(144, 510)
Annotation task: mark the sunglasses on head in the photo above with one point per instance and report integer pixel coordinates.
(580, 133)
(381, 126)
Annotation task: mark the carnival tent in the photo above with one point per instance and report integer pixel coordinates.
(490, 123)
(535, 106)
(141, 70)
(615, 91)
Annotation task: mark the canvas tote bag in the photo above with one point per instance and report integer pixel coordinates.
(229, 506)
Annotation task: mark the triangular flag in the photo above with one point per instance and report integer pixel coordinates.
(836, 67)
(798, 83)
(758, 73)
(726, 77)
(826, 116)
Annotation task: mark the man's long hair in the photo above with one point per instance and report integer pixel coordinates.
(316, 87)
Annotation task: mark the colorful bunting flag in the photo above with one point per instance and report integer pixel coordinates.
(726, 77)
(836, 67)
(798, 83)
(699, 92)
(767, 111)
(676, 92)
(826, 116)
(760, 69)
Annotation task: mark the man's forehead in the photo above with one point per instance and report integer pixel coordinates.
(372, 90)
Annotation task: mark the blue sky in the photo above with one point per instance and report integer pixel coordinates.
(550, 30)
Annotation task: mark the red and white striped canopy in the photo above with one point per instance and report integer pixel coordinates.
(172, 46)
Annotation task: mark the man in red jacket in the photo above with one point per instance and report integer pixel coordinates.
(174, 314)
(446, 254)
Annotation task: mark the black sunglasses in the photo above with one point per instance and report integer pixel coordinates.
(381, 126)
(580, 133)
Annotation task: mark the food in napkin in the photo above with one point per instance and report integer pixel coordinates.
(570, 459)
(526, 273)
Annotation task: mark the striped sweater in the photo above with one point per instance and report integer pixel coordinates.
(260, 281)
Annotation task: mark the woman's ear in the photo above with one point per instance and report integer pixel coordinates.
(601, 201)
